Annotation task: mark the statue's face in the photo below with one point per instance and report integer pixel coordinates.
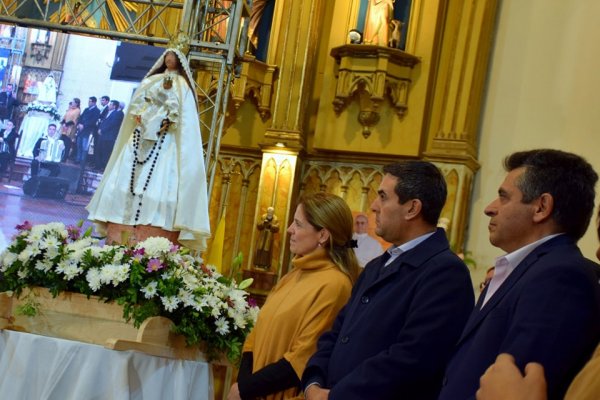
(171, 61)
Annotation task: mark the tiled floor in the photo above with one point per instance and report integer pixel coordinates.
(16, 207)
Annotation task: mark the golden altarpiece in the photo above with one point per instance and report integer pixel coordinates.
(321, 113)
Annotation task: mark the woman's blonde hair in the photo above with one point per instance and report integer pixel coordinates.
(325, 210)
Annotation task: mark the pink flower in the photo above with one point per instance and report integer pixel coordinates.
(154, 265)
(174, 248)
(74, 232)
(25, 226)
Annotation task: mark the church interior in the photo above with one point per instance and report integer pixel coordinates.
(322, 96)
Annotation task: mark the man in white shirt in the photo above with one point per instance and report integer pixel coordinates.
(48, 152)
(368, 247)
(543, 302)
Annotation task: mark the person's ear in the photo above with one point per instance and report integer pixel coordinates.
(414, 209)
(324, 236)
(544, 205)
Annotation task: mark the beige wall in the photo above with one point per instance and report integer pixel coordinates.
(544, 91)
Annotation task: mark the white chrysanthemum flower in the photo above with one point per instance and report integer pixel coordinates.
(106, 274)
(70, 269)
(239, 320)
(253, 314)
(49, 242)
(93, 279)
(23, 273)
(187, 297)
(37, 231)
(150, 290)
(170, 302)
(8, 259)
(121, 273)
(222, 326)
(58, 228)
(82, 244)
(118, 256)
(155, 246)
(190, 281)
(52, 252)
(44, 266)
(25, 255)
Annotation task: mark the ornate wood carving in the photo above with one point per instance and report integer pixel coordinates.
(370, 74)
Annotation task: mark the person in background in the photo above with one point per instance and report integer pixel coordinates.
(86, 129)
(368, 247)
(393, 338)
(48, 153)
(8, 140)
(65, 130)
(70, 121)
(94, 158)
(543, 303)
(8, 102)
(303, 304)
(489, 274)
(107, 133)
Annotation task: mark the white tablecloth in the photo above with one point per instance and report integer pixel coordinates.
(41, 368)
(35, 124)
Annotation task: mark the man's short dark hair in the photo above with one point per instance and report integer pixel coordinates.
(115, 103)
(569, 178)
(420, 180)
(93, 99)
(105, 98)
(52, 124)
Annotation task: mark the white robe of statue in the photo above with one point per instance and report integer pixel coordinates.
(47, 90)
(171, 185)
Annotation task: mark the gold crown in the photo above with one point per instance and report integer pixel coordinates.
(181, 42)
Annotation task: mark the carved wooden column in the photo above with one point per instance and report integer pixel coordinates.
(293, 49)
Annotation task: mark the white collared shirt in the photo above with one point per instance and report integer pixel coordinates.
(395, 251)
(506, 264)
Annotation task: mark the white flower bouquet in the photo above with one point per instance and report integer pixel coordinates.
(153, 278)
(45, 108)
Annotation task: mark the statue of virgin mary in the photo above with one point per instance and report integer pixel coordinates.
(155, 182)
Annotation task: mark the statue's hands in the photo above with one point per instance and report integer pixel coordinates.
(165, 125)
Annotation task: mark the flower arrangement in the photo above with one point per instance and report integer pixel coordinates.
(46, 108)
(153, 278)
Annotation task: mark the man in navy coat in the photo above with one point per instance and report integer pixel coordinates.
(107, 133)
(86, 128)
(393, 338)
(543, 303)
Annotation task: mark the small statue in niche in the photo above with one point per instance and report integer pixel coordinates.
(395, 33)
(377, 26)
(268, 226)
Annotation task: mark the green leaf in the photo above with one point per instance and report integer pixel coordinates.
(245, 283)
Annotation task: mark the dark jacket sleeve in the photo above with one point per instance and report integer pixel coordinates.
(273, 378)
(36, 148)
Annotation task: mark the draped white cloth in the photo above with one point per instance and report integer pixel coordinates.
(174, 198)
(35, 125)
(39, 367)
